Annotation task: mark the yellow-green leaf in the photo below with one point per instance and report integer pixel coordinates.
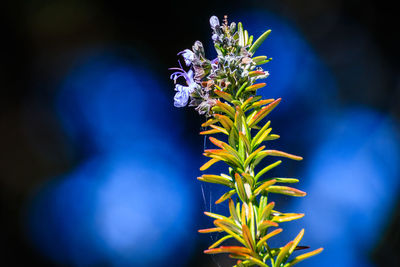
(241, 89)
(224, 95)
(210, 230)
(262, 103)
(249, 179)
(250, 260)
(250, 40)
(232, 230)
(216, 179)
(263, 112)
(304, 256)
(220, 129)
(264, 186)
(225, 121)
(264, 61)
(260, 132)
(212, 131)
(225, 196)
(216, 142)
(255, 73)
(259, 41)
(285, 190)
(241, 34)
(233, 137)
(225, 146)
(250, 117)
(265, 224)
(245, 141)
(245, 211)
(262, 138)
(252, 156)
(267, 211)
(286, 180)
(228, 249)
(278, 153)
(248, 237)
(208, 164)
(271, 137)
(296, 241)
(259, 58)
(255, 87)
(232, 151)
(253, 220)
(268, 236)
(226, 108)
(269, 167)
(283, 254)
(219, 241)
(233, 212)
(240, 187)
(215, 216)
(246, 103)
(287, 217)
(209, 122)
(225, 156)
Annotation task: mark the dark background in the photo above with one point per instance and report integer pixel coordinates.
(356, 40)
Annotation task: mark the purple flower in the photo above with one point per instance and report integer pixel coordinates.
(215, 37)
(181, 98)
(188, 56)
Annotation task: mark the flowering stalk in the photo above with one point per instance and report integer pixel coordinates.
(225, 90)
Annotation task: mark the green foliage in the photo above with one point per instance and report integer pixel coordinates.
(252, 224)
(239, 114)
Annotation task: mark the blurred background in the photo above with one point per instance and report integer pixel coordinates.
(99, 169)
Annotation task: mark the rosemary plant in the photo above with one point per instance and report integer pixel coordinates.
(225, 91)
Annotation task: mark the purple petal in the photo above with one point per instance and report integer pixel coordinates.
(181, 98)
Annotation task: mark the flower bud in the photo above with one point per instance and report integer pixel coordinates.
(232, 27)
(214, 22)
(198, 48)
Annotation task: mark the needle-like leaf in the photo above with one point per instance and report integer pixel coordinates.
(268, 236)
(255, 87)
(216, 179)
(225, 196)
(287, 217)
(296, 241)
(263, 112)
(208, 164)
(285, 190)
(269, 167)
(265, 224)
(264, 186)
(283, 254)
(228, 249)
(303, 257)
(210, 230)
(233, 212)
(224, 95)
(267, 211)
(248, 238)
(259, 41)
(225, 121)
(240, 187)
